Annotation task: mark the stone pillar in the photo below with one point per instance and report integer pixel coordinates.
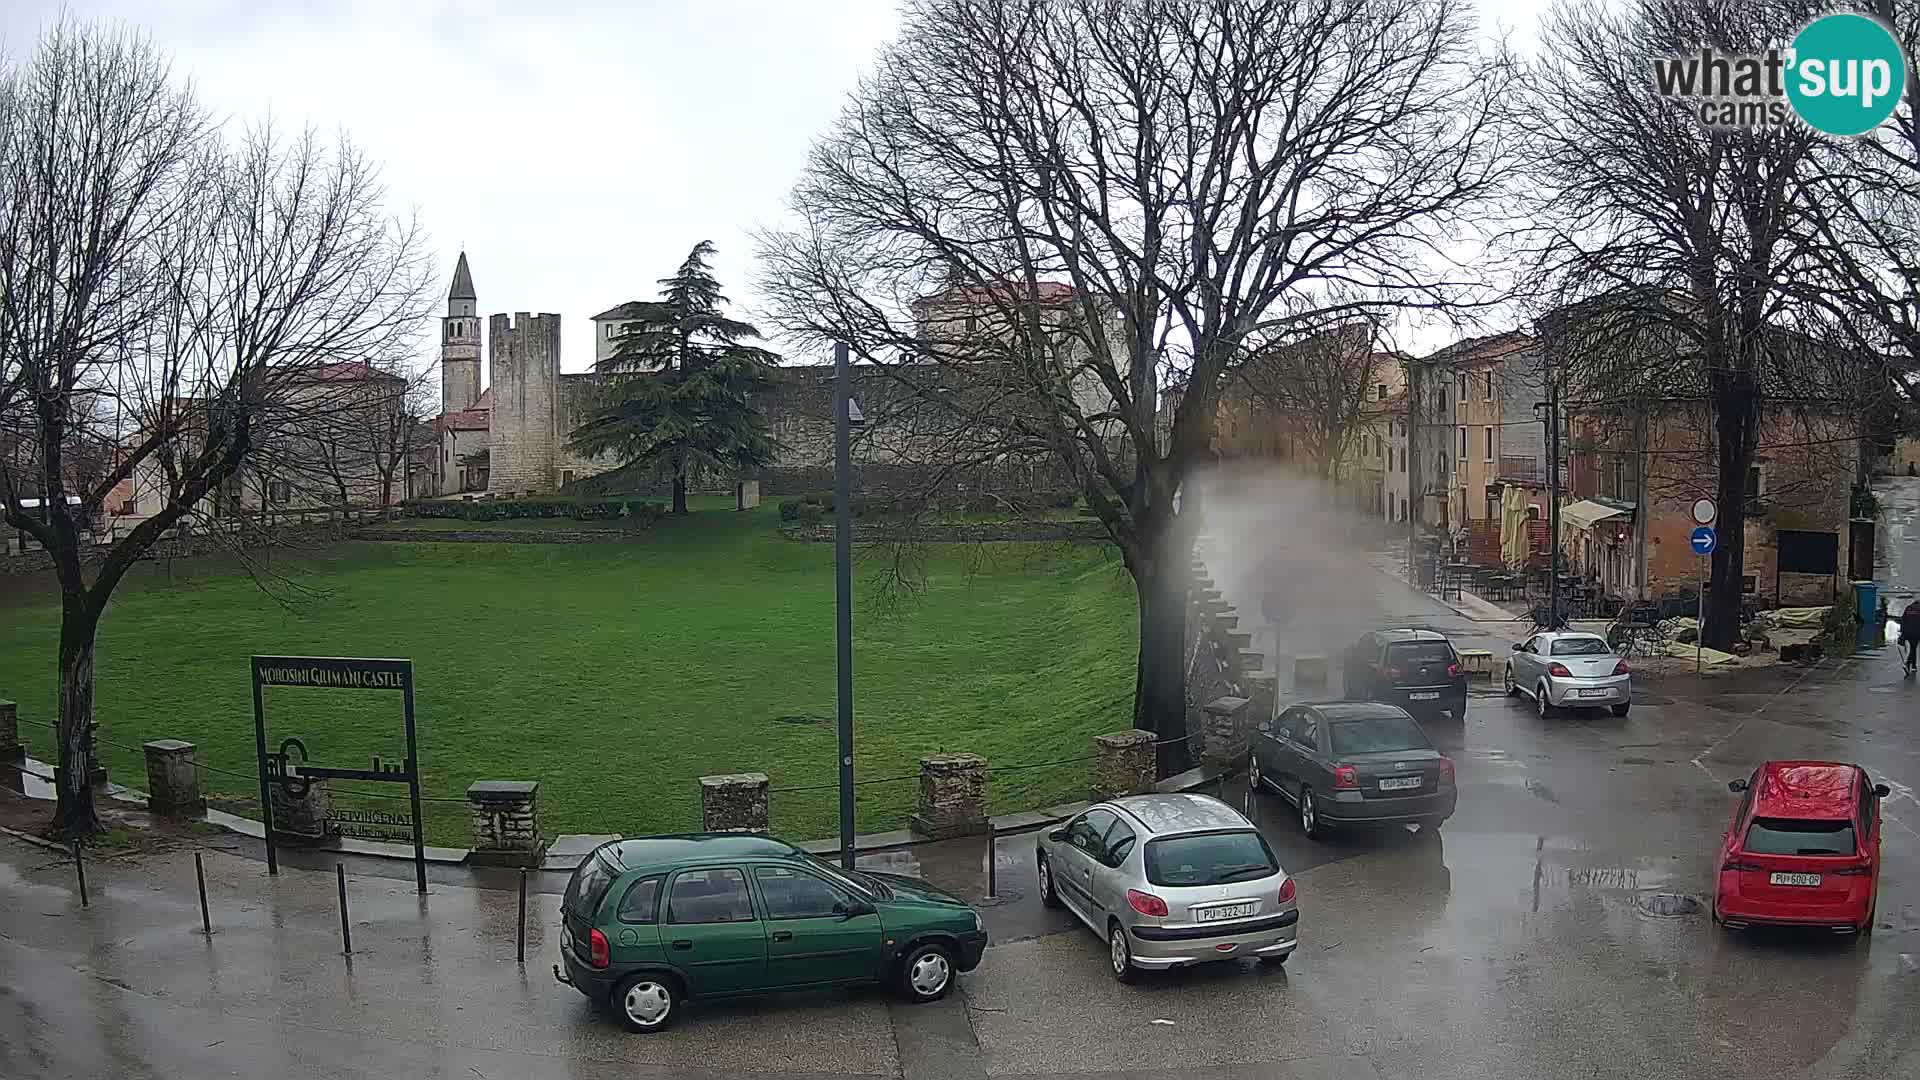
(1226, 731)
(10, 748)
(953, 796)
(506, 824)
(173, 780)
(736, 802)
(302, 819)
(746, 494)
(1124, 763)
(1263, 698)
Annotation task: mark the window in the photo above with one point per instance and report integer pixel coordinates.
(1209, 859)
(1489, 442)
(1377, 735)
(1119, 843)
(1403, 509)
(791, 894)
(1753, 482)
(1440, 464)
(589, 885)
(1440, 402)
(1293, 725)
(1380, 392)
(1869, 805)
(1580, 646)
(1487, 395)
(279, 491)
(973, 323)
(709, 896)
(1463, 442)
(1409, 653)
(1088, 831)
(1791, 836)
(642, 902)
(1462, 379)
(613, 330)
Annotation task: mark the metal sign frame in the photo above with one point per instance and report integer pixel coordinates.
(295, 777)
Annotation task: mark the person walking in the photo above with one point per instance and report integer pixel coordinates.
(1910, 633)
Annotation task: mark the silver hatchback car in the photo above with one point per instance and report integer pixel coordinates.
(1570, 669)
(1170, 880)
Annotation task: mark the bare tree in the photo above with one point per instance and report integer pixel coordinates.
(1680, 259)
(1080, 204)
(165, 300)
(1315, 389)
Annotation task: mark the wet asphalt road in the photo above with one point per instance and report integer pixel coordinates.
(1513, 944)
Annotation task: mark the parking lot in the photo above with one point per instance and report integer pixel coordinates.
(1517, 942)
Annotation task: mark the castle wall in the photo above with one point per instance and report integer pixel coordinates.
(575, 399)
(524, 356)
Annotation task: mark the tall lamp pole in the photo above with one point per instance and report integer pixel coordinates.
(843, 589)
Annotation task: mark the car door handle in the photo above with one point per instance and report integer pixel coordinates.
(783, 935)
(683, 943)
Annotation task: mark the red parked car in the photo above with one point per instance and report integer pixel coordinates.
(1803, 849)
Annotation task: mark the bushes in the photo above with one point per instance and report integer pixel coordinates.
(635, 511)
(809, 509)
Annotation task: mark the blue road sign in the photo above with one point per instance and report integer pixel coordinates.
(1703, 540)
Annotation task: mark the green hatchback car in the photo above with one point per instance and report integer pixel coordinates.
(650, 922)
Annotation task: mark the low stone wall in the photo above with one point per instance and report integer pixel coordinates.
(37, 562)
(966, 532)
(501, 536)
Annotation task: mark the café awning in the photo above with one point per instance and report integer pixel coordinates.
(1585, 513)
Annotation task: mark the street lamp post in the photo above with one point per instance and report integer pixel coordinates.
(843, 588)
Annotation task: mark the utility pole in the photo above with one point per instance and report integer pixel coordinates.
(1553, 494)
(843, 588)
(1641, 511)
(1414, 390)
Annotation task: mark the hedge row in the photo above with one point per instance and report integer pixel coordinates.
(504, 509)
(811, 508)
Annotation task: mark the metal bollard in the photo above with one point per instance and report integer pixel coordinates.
(520, 944)
(200, 876)
(80, 869)
(993, 862)
(346, 932)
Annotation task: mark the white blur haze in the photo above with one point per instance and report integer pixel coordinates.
(577, 149)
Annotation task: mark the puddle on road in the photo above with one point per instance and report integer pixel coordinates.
(1669, 905)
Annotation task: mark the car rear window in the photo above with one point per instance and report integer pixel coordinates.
(1419, 652)
(1580, 646)
(1208, 859)
(588, 887)
(1789, 836)
(1377, 735)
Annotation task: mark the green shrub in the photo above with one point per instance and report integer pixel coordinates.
(642, 512)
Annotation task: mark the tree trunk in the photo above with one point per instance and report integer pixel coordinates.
(680, 490)
(73, 814)
(1160, 675)
(1733, 424)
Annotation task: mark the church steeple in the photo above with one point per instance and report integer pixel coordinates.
(460, 343)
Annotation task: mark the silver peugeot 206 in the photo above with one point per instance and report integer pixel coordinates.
(1170, 880)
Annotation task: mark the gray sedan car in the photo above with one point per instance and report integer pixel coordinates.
(1569, 669)
(1170, 880)
(1351, 763)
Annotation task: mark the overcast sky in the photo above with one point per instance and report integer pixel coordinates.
(575, 148)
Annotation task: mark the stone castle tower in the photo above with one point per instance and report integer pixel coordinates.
(524, 376)
(460, 344)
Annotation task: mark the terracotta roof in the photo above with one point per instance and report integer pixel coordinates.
(484, 401)
(469, 420)
(462, 281)
(347, 371)
(1469, 352)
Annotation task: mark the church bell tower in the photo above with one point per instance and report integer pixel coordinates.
(460, 344)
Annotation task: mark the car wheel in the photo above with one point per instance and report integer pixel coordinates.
(1275, 961)
(1310, 816)
(1048, 897)
(1542, 703)
(1621, 710)
(646, 1002)
(1430, 829)
(1120, 957)
(927, 973)
(1254, 779)
(1513, 688)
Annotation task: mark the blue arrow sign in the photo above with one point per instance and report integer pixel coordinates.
(1703, 540)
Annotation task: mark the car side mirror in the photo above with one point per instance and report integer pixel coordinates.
(1058, 836)
(1736, 786)
(1882, 790)
(848, 910)
(1519, 646)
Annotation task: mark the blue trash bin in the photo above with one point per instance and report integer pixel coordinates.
(1866, 599)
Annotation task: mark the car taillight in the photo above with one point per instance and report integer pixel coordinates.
(1858, 870)
(1146, 903)
(1620, 668)
(1453, 671)
(1346, 777)
(1287, 891)
(1560, 670)
(1389, 672)
(1734, 865)
(1446, 769)
(597, 948)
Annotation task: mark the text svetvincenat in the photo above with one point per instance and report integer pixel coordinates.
(320, 676)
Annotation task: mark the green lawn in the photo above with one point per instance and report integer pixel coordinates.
(615, 674)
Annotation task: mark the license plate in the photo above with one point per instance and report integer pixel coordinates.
(1794, 879)
(1399, 783)
(1226, 911)
(1424, 695)
(1592, 693)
